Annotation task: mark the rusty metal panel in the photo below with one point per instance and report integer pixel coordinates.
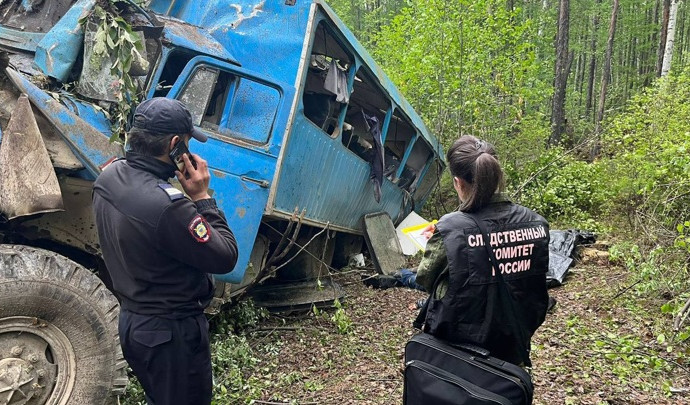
(297, 296)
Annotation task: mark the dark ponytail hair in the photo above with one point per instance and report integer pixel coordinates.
(475, 162)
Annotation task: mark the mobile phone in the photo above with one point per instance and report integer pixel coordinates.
(176, 155)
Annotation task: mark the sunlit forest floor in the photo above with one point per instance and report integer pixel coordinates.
(596, 347)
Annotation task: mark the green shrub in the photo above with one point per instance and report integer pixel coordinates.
(566, 191)
(648, 149)
(237, 318)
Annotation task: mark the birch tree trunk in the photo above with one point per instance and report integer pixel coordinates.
(670, 38)
(544, 7)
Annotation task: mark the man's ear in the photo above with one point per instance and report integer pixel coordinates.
(173, 141)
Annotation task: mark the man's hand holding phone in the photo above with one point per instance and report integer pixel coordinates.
(179, 150)
(196, 177)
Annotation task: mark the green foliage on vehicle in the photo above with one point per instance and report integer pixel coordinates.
(116, 44)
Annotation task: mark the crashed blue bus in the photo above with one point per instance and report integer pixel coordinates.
(298, 115)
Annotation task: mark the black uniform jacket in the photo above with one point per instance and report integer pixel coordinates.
(157, 244)
(470, 311)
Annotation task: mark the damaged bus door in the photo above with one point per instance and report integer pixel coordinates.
(245, 117)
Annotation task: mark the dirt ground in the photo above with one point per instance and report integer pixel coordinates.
(599, 346)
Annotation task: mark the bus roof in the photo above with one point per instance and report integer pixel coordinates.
(268, 37)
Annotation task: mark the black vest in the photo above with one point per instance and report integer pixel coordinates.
(470, 311)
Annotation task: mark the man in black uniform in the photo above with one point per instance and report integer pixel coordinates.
(159, 246)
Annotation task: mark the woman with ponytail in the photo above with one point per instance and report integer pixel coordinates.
(465, 302)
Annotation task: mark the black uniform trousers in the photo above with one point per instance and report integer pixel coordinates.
(170, 357)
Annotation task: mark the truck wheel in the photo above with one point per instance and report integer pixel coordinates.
(58, 332)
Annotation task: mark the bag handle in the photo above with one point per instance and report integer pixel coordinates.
(505, 295)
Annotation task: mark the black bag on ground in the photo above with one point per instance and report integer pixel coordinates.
(438, 373)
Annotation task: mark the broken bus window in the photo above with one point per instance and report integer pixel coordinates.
(398, 141)
(175, 62)
(325, 90)
(369, 99)
(230, 105)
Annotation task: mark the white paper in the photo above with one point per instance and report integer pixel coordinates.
(409, 248)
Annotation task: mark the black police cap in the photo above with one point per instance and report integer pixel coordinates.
(166, 116)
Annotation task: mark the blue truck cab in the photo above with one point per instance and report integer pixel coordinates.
(300, 119)
(255, 77)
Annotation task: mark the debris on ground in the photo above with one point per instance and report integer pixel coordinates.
(562, 248)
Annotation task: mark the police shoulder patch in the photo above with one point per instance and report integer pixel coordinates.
(199, 229)
(173, 193)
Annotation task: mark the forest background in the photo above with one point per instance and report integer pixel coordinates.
(586, 101)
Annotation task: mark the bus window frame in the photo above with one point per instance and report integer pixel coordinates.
(240, 73)
(352, 72)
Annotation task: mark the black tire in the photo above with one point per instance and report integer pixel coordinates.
(49, 303)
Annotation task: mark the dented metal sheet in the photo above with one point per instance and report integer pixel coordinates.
(15, 39)
(188, 36)
(91, 147)
(88, 112)
(253, 12)
(28, 184)
(60, 47)
(263, 36)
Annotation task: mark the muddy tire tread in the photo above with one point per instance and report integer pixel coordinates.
(18, 262)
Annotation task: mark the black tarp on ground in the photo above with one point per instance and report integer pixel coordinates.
(561, 249)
